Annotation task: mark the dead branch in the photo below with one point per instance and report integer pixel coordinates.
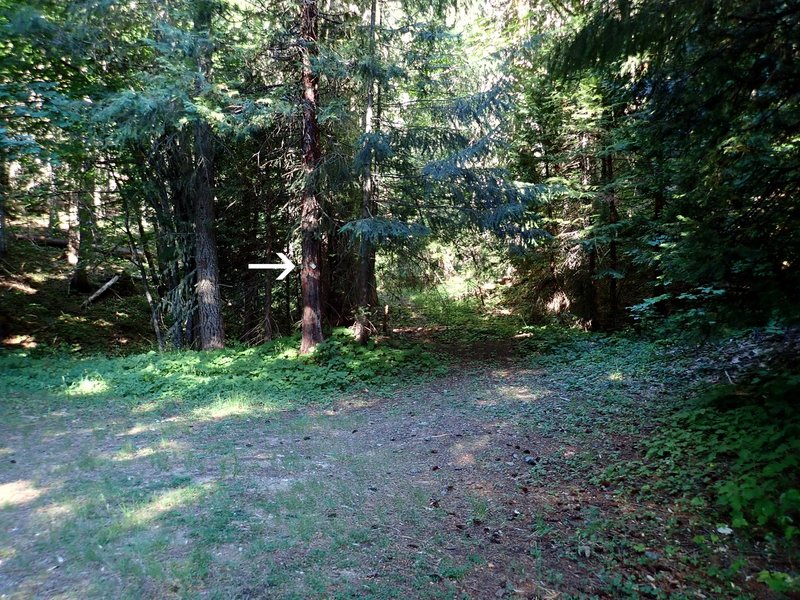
(100, 292)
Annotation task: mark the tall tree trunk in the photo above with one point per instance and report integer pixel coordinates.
(613, 218)
(210, 326)
(311, 210)
(362, 328)
(4, 192)
(84, 249)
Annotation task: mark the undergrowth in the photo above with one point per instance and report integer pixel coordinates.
(270, 374)
(729, 453)
(463, 318)
(744, 444)
(41, 314)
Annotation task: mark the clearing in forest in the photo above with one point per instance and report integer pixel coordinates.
(488, 481)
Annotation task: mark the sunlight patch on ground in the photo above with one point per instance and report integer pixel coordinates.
(18, 492)
(359, 403)
(137, 429)
(516, 392)
(87, 386)
(167, 501)
(54, 512)
(65, 318)
(223, 410)
(144, 407)
(231, 406)
(126, 454)
(26, 341)
(40, 278)
(464, 452)
(20, 287)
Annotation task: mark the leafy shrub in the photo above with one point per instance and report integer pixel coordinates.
(270, 374)
(743, 442)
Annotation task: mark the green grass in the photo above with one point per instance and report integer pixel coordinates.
(181, 474)
(269, 377)
(256, 472)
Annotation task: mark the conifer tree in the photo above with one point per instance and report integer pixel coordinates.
(311, 209)
(209, 309)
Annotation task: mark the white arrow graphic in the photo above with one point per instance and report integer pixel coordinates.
(285, 264)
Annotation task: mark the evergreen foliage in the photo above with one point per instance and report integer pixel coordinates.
(633, 160)
(527, 180)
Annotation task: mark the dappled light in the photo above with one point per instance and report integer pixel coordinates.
(87, 386)
(492, 471)
(53, 512)
(23, 341)
(18, 492)
(399, 300)
(147, 512)
(515, 393)
(20, 287)
(222, 410)
(133, 453)
(139, 429)
(464, 453)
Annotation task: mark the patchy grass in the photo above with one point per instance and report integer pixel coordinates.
(363, 473)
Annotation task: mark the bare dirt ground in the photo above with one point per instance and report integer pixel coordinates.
(486, 483)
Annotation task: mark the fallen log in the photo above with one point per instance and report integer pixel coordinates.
(100, 292)
(41, 240)
(51, 242)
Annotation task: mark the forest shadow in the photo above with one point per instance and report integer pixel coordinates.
(492, 477)
(166, 505)
(40, 311)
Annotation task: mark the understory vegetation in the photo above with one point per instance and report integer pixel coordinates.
(399, 299)
(631, 459)
(272, 373)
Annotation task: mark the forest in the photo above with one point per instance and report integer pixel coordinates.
(399, 299)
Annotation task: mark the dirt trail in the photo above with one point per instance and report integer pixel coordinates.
(499, 483)
(485, 484)
(459, 446)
